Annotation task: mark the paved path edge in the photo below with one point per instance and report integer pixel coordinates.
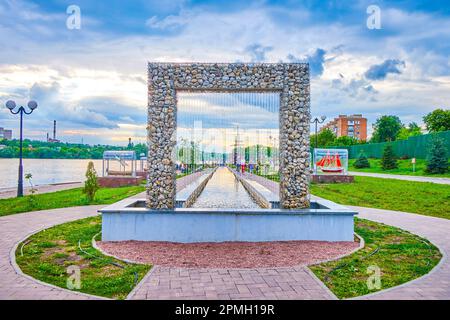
(154, 267)
(141, 283)
(432, 271)
(12, 260)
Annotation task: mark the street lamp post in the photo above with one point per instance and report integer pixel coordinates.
(11, 105)
(316, 121)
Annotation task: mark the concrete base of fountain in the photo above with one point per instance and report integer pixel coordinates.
(131, 220)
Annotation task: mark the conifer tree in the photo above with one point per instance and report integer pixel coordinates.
(362, 161)
(388, 160)
(437, 161)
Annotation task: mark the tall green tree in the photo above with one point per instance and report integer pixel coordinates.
(437, 157)
(438, 120)
(388, 160)
(386, 128)
(410, 131)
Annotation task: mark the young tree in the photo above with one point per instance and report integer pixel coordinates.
(90, 185)
(362, 161)
(345, 141)
(324, 138)
(437, 157)
(33, 190)
(438, 120)
(386, 128)
(388, 160)
(412, 130)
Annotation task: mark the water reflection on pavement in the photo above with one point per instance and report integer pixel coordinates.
(224, 191)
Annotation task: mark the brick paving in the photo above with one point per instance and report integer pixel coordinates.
(13, 229)
(231, 284)
(299, 282)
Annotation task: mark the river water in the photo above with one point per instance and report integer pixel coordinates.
(224, 191)
(46, 171)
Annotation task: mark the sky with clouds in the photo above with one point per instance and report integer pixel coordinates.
(93, 80)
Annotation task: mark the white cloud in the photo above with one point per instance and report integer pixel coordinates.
(90, 65)
(169, 22)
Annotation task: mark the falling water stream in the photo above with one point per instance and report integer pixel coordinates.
(224, 191)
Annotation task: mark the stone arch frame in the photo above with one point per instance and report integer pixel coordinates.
(291, 80)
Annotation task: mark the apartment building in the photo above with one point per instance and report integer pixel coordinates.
(5, 134)
(351, 126)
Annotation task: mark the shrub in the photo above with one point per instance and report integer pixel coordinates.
(437, 157)
(33, 190)
(388, 160)
(362, 161)
(90, 185)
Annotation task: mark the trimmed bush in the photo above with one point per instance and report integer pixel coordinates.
(437, 157)
(362, 161)
(388, 160)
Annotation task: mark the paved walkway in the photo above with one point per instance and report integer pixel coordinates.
(261, 283)
(12, 192)
(401, 177)
(15, 228)
(231, 284)
(435, 285)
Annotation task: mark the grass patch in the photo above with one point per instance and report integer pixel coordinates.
(64, 199)
(417, 197)
(405, 167)
(48, 254)
(409, 196)
(400, 256)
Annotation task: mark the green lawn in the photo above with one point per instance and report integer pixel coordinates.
(417, 197)
(404, 167)
(48, 254)
(399, 255)
(64, 199)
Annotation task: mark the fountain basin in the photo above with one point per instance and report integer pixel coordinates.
(129, 219)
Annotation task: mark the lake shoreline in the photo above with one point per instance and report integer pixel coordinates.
(47, 171)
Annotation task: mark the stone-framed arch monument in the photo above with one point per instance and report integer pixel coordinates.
(291, 80)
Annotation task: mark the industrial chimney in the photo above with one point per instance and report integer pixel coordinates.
(54, 130)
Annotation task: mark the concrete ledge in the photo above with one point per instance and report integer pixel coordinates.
(256, 196)
(130, 220)
(196, 192)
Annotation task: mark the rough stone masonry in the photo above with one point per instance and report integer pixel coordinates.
(291, 80)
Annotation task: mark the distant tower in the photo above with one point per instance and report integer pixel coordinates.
(54, 130)
(54, 134)
(237, 144)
